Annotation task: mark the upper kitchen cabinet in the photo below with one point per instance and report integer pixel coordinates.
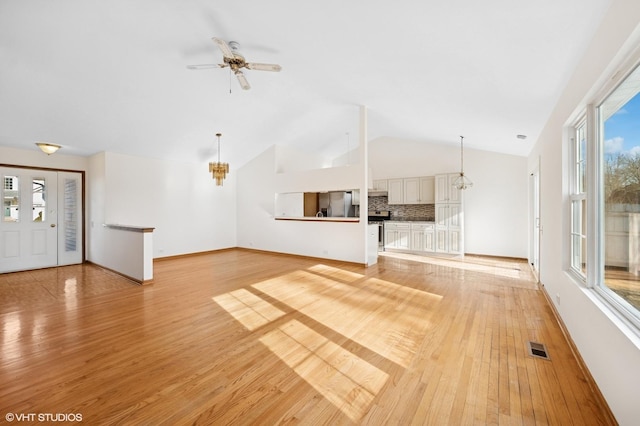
(419, 190)
(396, 191)
(380, 185)
(444, 189)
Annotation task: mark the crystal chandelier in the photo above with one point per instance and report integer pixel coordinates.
(462, 182)
(219, 170)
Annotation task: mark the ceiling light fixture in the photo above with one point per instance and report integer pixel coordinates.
(48, 148)
(462, 182)
(219, 170)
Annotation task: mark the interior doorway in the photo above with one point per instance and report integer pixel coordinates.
(42, 217)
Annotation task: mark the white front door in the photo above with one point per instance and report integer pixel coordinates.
(34, 233)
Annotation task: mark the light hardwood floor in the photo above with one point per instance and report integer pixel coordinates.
(245, 337)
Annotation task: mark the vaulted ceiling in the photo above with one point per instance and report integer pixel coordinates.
(97, 76)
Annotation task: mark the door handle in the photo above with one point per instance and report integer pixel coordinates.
(53, 225)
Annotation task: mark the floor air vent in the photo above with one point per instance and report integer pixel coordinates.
(538, 350)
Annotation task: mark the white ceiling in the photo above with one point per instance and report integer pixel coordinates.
(95, 75)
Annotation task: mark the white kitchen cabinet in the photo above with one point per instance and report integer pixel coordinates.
(411, 189)
(355, 197)
(430, 239)
(444, 190)
(419, 190)
(380, 185)
(427, 190)
(441, 239)
(417, 239)
(455, 241)
(422, 237)
(455, 216)
(449, 215)
(442, 215)
(395, 191)
(410, 236)
(449, 228)
(397, 235)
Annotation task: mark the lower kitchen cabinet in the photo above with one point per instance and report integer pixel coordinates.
(442, 239)
(430, 240)
(455, 241)
(422, 237)
(397, 235)
(417, 239)
(410, 236)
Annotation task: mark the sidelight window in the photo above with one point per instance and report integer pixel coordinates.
(39, 203)
(11, 199)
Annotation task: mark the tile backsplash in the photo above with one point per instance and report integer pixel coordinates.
(422, 211)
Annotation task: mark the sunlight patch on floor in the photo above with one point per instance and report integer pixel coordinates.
(501, 269)
(387, 318)
(344, 379)
(335, 273)
(250, 310)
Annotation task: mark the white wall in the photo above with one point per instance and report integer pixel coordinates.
(180, 200)
(257, 184)
(95, 188)
(495, 209)
(610, 349)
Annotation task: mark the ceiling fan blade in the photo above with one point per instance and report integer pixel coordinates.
(206, 66)
(224, 47)
(243, 80)
(263, 67)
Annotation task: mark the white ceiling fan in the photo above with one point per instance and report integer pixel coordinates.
(235, 61)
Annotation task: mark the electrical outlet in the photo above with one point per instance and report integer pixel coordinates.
(558, 298)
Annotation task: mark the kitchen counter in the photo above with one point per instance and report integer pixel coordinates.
(412, 219)
(320, 219)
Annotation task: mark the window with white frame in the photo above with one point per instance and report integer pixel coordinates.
(579, 201)
(618, 137)
(608, 159)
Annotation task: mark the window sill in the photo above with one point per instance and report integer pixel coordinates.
(621, 322)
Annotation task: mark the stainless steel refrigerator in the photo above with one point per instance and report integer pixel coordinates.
(336, 204)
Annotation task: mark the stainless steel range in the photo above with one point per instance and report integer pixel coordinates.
(378, 217)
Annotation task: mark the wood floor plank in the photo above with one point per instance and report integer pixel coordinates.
(247, 337)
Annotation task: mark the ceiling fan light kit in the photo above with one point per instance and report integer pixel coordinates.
(234, 60)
